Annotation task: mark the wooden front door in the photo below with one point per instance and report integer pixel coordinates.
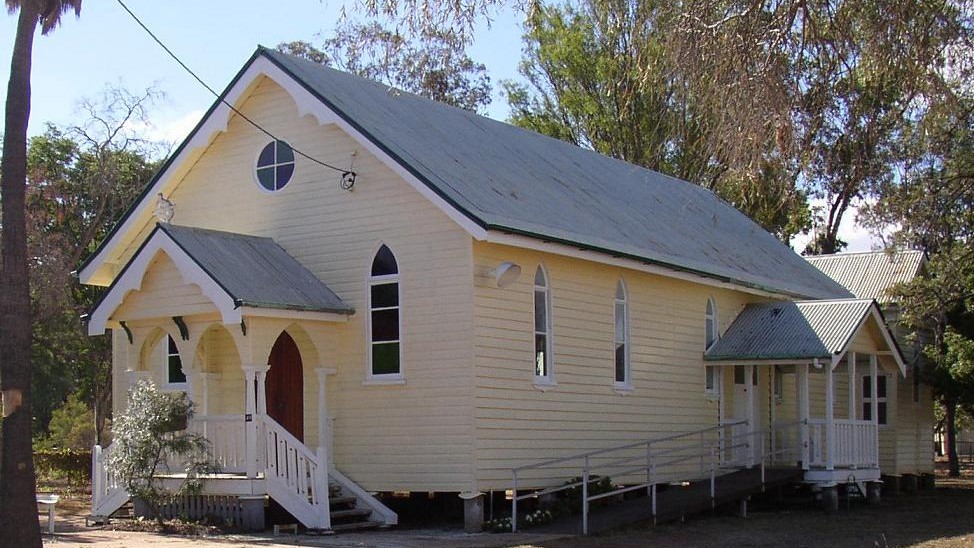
(285, 386)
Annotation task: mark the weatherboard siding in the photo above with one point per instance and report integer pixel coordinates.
(416, 436)
(163, 294)
(518, 424)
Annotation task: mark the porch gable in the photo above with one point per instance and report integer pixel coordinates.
(241, 275)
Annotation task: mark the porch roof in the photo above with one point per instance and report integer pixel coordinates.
(236, 272)
(256, 272)
(802, 330)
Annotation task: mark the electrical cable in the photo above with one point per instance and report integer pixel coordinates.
(348, 176)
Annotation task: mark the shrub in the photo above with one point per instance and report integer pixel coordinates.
(67, 464)
(72, 426)
(150, 439)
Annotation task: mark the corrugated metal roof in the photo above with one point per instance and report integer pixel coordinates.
(790, 330)
(255, 271)
(512, 180)
(869, 275)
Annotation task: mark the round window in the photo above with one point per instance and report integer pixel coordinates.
(275, 165)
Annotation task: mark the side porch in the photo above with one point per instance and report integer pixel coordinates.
(822, 367)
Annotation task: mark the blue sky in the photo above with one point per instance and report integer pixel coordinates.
(214, 37)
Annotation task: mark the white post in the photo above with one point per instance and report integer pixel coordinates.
(250, 417)
(851, 365)
(324, 430)
(748, 383)
(874, 404)
(829, 417)
(805, 412)
(262, 389)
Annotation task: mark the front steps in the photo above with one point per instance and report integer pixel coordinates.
(345, 513)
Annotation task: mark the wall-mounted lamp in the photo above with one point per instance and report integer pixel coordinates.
(506, 273)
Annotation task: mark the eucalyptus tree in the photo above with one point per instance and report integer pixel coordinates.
(433, 62)
(17, 479)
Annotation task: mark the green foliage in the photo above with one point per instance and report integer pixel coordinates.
(80, 180)
(601, 75)
(150, 439)
(72, 427)
(433, 64)
(71, 465)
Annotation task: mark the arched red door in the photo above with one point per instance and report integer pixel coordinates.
(284, 386)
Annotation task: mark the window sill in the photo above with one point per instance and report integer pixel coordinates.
(176, 387)
(399, 381)
(712, 396)
(622, 388)
(544, 384)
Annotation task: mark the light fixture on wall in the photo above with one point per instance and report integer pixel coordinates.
(506, 273)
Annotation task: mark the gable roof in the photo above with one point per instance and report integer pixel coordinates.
(236, 272)
(798, 331)
(869, 275)
(507, 180)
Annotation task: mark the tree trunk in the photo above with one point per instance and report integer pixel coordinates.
(18, 509)
(950, 437)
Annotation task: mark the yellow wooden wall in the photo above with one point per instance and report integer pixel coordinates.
(517, 423)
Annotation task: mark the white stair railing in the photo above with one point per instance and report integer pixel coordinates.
(107, 495)
(296, 477)
(228, 440)
(856, 443)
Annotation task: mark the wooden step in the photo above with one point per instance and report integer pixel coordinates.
(335, 501)
(351, 513)
(357, 525)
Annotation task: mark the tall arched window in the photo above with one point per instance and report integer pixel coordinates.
(622, 370)
(542, 327)
(172, 364)
(712, 382)
(385, 352)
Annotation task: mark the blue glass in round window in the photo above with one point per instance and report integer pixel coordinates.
(275, 165)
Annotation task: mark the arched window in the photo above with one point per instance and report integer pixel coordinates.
(385, 352)
(711, 382)
(622, 370)
(172, 363)
(542, 327)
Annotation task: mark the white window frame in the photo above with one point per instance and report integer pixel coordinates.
(711, 373)
(548, 379)
(383, 378)
(165, 354)
(621, 299)
(867, 402)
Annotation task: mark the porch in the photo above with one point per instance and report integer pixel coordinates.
(820, 365)
(245, 331)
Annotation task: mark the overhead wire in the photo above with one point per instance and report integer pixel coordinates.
(348, 176)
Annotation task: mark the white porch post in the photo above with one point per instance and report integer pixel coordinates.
(250, 426)
(829, 417)
(801, 380)
(851, 361)
(324, 428)
(262, 389)
(874, 382)
(748, 382)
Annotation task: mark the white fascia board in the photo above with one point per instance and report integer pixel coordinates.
(303, 315)
(217, 122)
(874, 314)
(131, 280)
(526, 242)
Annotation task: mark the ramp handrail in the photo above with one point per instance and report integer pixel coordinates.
(678, 451)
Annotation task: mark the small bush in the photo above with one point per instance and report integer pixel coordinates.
(64, 464)
(72, 426)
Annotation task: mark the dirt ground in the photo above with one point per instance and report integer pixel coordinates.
(942, 518)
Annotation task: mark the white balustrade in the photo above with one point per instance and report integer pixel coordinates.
(856, 443)
(227, 437)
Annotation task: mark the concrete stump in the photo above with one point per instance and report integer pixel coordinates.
(910, 483)
(830, 499)
(473, 512)
(891, 484)
(928, 481)
(252, 513)
(873, 489)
